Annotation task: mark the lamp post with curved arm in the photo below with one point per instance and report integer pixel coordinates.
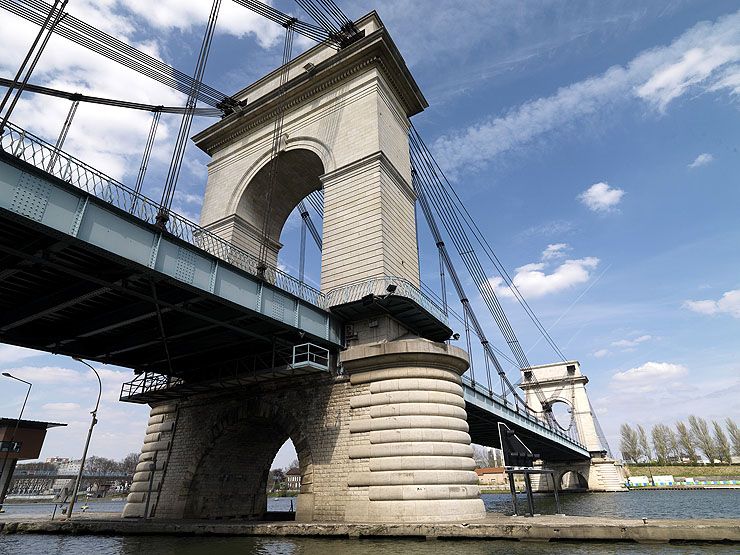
(89, 435)
(12, 437)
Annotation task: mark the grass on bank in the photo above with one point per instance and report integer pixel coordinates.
(686, 471)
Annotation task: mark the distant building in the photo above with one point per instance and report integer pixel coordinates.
(492, 477)
(293, 479)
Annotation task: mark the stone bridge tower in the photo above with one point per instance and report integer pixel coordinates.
(384, 438)
(564, 383)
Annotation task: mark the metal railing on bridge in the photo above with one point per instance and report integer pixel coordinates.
(523, 411)
(44, 156)
(383, 287)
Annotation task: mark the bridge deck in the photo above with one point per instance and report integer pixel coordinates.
(81, 278)
(486, 409)
(84, 272)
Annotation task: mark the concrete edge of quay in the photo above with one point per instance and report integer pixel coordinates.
(541, 528)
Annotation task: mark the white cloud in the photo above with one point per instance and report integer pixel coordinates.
(556, 250)
(629, 343)
(10, 353)
(704, 58)
(46, 374)
(702, 160)
(729, 303)
(601, 353)
(60, 407)
(533, 281)
(673, 79)
(599, 197)
(651, 376)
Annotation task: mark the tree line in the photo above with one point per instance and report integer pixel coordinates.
(682, 444)
(95, 465)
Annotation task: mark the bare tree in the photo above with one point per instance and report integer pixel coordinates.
(685, 442)
(661, 435)
(484, 457)
(644, 444)
(734, 436)
(129, 462)
(703, 438)
(721, 443)
(674, 448)
(629, 443)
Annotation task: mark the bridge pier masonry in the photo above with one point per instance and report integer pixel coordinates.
(382, 436)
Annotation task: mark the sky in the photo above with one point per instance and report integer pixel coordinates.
(595, 144)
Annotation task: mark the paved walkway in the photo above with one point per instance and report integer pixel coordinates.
(540, 528)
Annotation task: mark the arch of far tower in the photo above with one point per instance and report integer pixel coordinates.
(563, 382)
(345, 130)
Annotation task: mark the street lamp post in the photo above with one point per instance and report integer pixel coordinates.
(89, 435)
(12, 437)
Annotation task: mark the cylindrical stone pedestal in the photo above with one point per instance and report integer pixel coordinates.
(147, 479)
(410, 435)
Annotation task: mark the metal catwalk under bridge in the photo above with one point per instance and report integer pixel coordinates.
(85, 272)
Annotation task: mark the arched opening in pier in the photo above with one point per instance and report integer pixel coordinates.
(573, 481)
(232, 478)
(562, 412)
(271, 203)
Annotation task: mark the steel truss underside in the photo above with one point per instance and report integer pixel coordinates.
(65, 296)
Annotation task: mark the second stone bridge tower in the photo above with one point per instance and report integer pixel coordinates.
(383, 437)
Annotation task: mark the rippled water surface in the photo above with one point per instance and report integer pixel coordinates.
(636, 504)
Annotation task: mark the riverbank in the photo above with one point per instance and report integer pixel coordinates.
(685, 470)
(493, 527)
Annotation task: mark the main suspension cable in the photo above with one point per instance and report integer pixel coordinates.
(114, 49)
(52, 20)
(275, 151)
(187, 119)
(488, 250)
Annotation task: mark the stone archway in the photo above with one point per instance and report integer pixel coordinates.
(262, 202)
(572, 480)
(229, 480)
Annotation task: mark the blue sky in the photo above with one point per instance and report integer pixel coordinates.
(596, 146)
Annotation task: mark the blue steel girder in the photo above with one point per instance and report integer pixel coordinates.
(85, 278)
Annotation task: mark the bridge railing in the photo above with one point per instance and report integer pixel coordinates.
(522, 411)
(381, 287)
(148, 382)
(44, 156)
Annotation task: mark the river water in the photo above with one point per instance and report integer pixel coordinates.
(635, 504)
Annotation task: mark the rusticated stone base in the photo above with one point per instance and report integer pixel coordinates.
(410, 431)
(385, 442)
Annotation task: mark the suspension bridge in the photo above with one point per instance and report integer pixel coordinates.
(234, 355)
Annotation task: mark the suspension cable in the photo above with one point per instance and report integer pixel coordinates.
(28, 57)
(430, 183)
(468, 312)
(488, 250)
(276, 136)
(114, 49)
(53, 18)
(187, 119)
(147, 151)
(302, 259)
(309, 224)
(63, 134)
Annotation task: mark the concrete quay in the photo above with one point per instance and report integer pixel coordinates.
(493, 527)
